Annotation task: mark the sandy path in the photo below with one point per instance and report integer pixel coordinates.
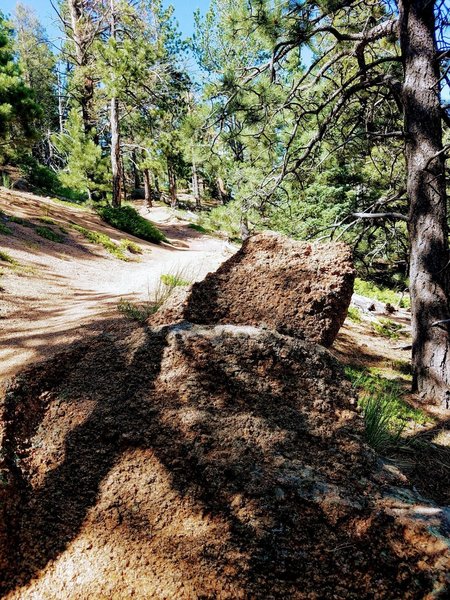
(61, 292)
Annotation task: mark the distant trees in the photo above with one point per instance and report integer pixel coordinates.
(18, 108)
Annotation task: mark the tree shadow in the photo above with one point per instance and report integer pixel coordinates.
(258, 455)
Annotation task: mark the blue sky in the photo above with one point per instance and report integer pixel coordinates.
(184, 10)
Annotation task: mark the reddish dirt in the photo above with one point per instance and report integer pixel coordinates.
(192, 462)
(60, 292)
(297, 288)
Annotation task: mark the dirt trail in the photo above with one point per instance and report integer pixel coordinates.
(61, 291)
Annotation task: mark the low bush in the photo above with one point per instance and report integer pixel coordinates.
(126, 218)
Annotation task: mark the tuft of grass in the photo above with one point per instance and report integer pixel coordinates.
(142, 311)
(47, 220)
(126, 218)
(354, 314)
(386, 414)
(101, 238)
(136, 312)
(5, 230)
(130, 246)
(198, 228)
(173, 280)
(382, 428)
(382, 294)
(5, 257)
(6, 181)
(49, 234)
(387, 328)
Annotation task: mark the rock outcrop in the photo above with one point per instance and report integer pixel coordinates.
(205, 462)
(296, 288)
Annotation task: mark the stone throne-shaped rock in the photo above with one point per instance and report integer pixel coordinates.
(296, 288)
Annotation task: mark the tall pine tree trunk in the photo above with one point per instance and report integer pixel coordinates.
(147, 188)
(172, 186)
(195, 185)
(82, 41)
(115, 133)
(427, 196)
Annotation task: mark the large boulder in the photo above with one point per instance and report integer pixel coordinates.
(296, 288)
(205, 462)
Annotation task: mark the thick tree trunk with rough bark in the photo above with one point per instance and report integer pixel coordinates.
(429, 262)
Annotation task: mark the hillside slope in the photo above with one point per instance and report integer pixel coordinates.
(52, 289)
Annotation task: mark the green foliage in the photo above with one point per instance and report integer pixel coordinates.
(39, 176)
(382, 294)
(126, 218)
(226, 219)
(198, 228)
(385, 413)
(49, 234)
(47, 220)
(5, 230)
(173, 280)
(101, 238)
(354, 314)
(17, 106)
(135, 311)
(5, 257)
(387, 328)
(369, 383)
(86, 168)
(130, 246)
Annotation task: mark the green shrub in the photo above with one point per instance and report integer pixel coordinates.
(126, 218)
(5, 230)
(20, 221)
(39, 176)
(49, 234)
(6, 180)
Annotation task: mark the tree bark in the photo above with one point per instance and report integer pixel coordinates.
(172, 186)
(429, 252)
(147, 188)
(115, 133)
(82, 39)
(195, 185)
